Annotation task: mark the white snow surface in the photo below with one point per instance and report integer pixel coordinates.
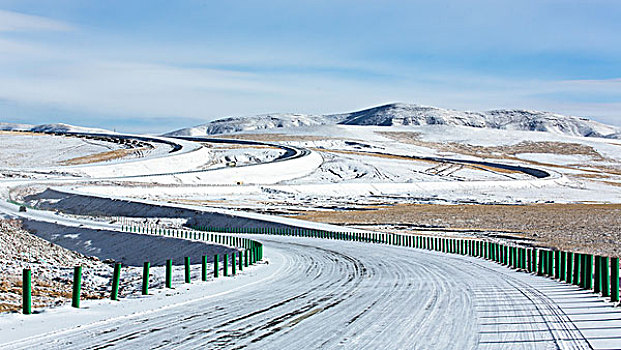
(30, 151)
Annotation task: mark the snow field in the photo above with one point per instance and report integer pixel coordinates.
(25, 151)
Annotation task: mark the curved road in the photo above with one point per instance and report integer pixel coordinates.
(347, 295)
(290, 153)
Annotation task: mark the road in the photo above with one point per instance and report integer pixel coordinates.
(346, 295)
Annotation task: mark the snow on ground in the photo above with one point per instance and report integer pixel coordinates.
(28, 151)
(347, 168)
(223, 157)
(561, 159)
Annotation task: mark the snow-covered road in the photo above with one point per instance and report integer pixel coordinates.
(337, 294)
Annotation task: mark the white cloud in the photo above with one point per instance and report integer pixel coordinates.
(14, 21)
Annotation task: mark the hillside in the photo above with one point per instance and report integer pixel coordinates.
(258, 122)
(58, 127)
(399, 114)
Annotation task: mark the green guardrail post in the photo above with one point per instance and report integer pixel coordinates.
(26, 292)
(576, 277)
(169, 273)
(186, 262)
(583, 272)
(241, 261)
(540, 263)
(77, 287)
(516, 257)
(246, 258)
(204, 268)
(614, 279)
(557, 265)
(233, 264)
(116, 277)
(588, 282)
(215, 266)
(563, 266)
(597, 284)
(605, 276)
(225, 265)
(145, 278)
(570, 267)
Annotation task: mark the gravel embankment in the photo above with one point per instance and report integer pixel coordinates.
(52, 269)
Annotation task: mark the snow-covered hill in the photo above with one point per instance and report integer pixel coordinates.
(258, 122)
(58, 127)
(410, 114)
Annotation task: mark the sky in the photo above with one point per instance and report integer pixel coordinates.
(154, 66)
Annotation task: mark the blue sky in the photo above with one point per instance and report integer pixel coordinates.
(159, 65)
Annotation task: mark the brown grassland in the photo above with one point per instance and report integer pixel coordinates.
(594, 228)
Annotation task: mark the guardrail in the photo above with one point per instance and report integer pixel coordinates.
(590, 272)
(249, 253)
(600, 274)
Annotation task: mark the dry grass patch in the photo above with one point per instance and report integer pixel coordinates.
(7, 132)
(593, 228)
(102, 157)
(497, 151)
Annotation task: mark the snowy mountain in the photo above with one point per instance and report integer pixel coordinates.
(258, 122)
(404, 114)
(15, 127)
(548, 122)
(59, 127)
(410, 114)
